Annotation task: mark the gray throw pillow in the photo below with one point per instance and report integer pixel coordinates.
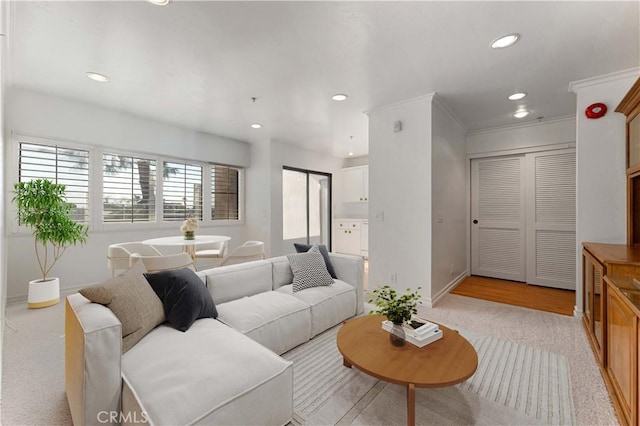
(309, 270)
(132, 300)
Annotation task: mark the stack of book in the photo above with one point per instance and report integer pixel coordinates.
(418, 331)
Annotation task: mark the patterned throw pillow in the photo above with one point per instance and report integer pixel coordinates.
(309, 270)
(303, 248)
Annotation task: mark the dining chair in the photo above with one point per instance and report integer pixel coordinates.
(211, 251)
(247, 252)
(118, 255)
(163, 263)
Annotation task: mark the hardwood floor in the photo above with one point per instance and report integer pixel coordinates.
(518, 294)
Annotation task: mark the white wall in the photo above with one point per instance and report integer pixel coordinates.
(400, 189)
(506, 140)
(601, 165)
(258, 195)
(449, 176)
(4, 9)
(40, 115)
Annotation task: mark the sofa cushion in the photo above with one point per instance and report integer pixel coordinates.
(303, 248)
(132, 300)
(237, 281)
(276, 320)
(309, 270)
(185, 378)
(330, 305)
(184, 297)
(282, 274)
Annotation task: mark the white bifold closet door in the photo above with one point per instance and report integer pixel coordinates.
(523, 218)
(498, 218)
(551, 218)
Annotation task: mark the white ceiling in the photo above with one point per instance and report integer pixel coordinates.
(198, 64)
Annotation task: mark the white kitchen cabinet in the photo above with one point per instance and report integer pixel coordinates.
(347, 237)
(356, 184)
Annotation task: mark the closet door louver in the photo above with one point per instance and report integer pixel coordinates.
(551, 211)
(497, 204)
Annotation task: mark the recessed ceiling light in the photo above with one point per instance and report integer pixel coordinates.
(256, 126)
(522, 113)
(101, 78)
(339, 97)
(159, 2)
(505, 41)
(350, 154)
(517, 96)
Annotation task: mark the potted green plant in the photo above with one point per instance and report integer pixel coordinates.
(397, 309)
(42, 206)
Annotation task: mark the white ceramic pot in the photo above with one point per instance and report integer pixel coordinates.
(43, 293)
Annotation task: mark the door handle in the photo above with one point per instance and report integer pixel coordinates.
(475, 221)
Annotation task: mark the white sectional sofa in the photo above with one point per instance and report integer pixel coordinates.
(224, 371)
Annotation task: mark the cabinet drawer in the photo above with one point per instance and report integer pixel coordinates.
(347, 224)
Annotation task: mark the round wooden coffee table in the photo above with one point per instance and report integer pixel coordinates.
(448, 361)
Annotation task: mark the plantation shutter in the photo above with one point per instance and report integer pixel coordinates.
(181, 191)
(128, 189)
(66, 166)
(224, 193)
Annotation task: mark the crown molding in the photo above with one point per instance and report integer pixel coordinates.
(376, 110)
(542, 122)
(438, 101)
(578, 85)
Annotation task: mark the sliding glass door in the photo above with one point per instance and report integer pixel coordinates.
(306, 207)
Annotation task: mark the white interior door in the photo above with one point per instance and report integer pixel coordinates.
(498, 218)
(551, 218)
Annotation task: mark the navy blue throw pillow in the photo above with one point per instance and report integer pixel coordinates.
(303, 248)
(184, 297)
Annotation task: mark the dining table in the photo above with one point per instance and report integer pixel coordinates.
(188, 246)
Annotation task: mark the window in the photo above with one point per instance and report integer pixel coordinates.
(132, 188)
(181, 191)
(224, 193)
(128, 189)
(66, 166)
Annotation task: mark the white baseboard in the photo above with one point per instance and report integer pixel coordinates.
(577, 312)
(64, 292)
(431, 301)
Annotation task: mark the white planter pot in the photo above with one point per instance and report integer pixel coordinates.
(43, 293)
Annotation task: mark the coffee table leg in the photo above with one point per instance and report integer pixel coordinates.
(411, 404)
(346, 363)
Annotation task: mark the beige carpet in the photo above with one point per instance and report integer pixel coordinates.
(33, 359)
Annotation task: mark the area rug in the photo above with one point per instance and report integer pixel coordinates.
(514, 385)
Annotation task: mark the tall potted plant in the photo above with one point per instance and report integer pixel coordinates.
(42, 206)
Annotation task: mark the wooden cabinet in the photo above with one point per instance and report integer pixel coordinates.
(356, 184)
(630, 107)
(611, 314)
(622, 356)
(594, 307)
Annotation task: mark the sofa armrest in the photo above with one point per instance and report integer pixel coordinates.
(93, 350)
(350, 269)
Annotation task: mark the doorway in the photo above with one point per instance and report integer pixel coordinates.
(306, 207)
(523, 218)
